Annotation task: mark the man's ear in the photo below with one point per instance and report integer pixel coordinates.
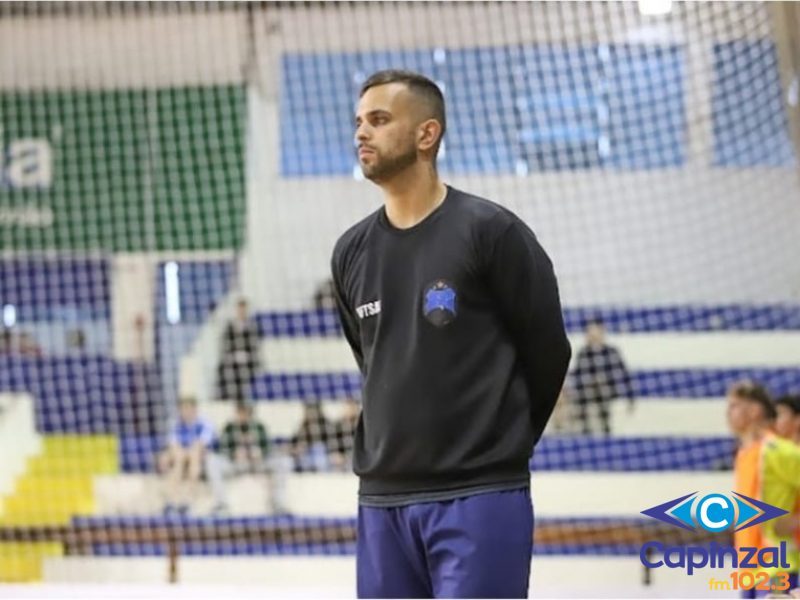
(428, 134)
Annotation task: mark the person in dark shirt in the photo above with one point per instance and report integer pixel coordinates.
(451, 308)
(310, 445)
(244, 441)
(599, 376)
(245, 449)
(240, 357)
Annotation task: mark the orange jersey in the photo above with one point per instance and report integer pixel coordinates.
(747, 472)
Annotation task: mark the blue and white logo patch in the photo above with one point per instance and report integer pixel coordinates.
(439, 303)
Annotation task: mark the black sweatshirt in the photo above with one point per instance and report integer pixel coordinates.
(456, 326)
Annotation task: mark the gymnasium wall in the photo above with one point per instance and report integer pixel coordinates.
(692, 233)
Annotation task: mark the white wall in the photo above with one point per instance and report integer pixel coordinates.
(120, 50)
(683, 235)
(124, 48)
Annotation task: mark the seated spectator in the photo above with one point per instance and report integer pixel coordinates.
(240, 357)
(23, 344)
(27, 345)
(341, 440)
(309, 446)
(184, 459)
(562, 421)
(600, 376)
(244, 448)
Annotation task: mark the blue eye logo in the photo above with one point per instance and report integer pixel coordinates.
(439, 303)
(714, 512)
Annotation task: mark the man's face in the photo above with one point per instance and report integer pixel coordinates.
(595, 334)
(386, 130)
(741, 413)
(242, 415)
(786, 423)
(188, 412)
(241, 311)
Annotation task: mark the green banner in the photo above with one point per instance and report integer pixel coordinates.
(123, 170)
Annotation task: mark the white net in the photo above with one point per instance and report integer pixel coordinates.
(172, 181)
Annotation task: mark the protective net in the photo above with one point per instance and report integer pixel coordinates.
(176, 397)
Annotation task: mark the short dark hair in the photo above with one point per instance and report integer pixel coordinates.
(790, 402)
(188, 400)
(596, 320)
(757, 393)
(418, 84)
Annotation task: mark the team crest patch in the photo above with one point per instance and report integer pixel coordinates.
(439, 303)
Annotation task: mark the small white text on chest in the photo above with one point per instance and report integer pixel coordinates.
(369, 309)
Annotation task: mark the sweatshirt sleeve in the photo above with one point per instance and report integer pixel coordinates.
(345, 312)
(525, 292)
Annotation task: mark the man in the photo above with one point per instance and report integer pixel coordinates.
(600, 376)
(451, 308)
(184, 459)
(244, 448)
(310, 445)
(767, 467)
(240, 359)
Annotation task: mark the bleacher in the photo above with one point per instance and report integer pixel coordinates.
(675, 373)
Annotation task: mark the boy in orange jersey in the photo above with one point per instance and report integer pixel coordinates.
(767, 468)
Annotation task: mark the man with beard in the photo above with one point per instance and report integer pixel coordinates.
(451, 308)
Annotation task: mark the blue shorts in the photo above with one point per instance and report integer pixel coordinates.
(473, 547)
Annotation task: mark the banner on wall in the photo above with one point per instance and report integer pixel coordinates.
(123, 170)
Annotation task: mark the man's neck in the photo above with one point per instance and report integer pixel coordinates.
(412, 196)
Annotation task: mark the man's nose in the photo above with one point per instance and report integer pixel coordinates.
(362, 133)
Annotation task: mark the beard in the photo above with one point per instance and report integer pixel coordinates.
(386, 167)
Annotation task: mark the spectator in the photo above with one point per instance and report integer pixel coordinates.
(244, 448)
(310, 444)
(240, 356)
(28, 345)
(561, 420)
(340, 444)
(600, 376)
(767, 468)
(185, 458)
